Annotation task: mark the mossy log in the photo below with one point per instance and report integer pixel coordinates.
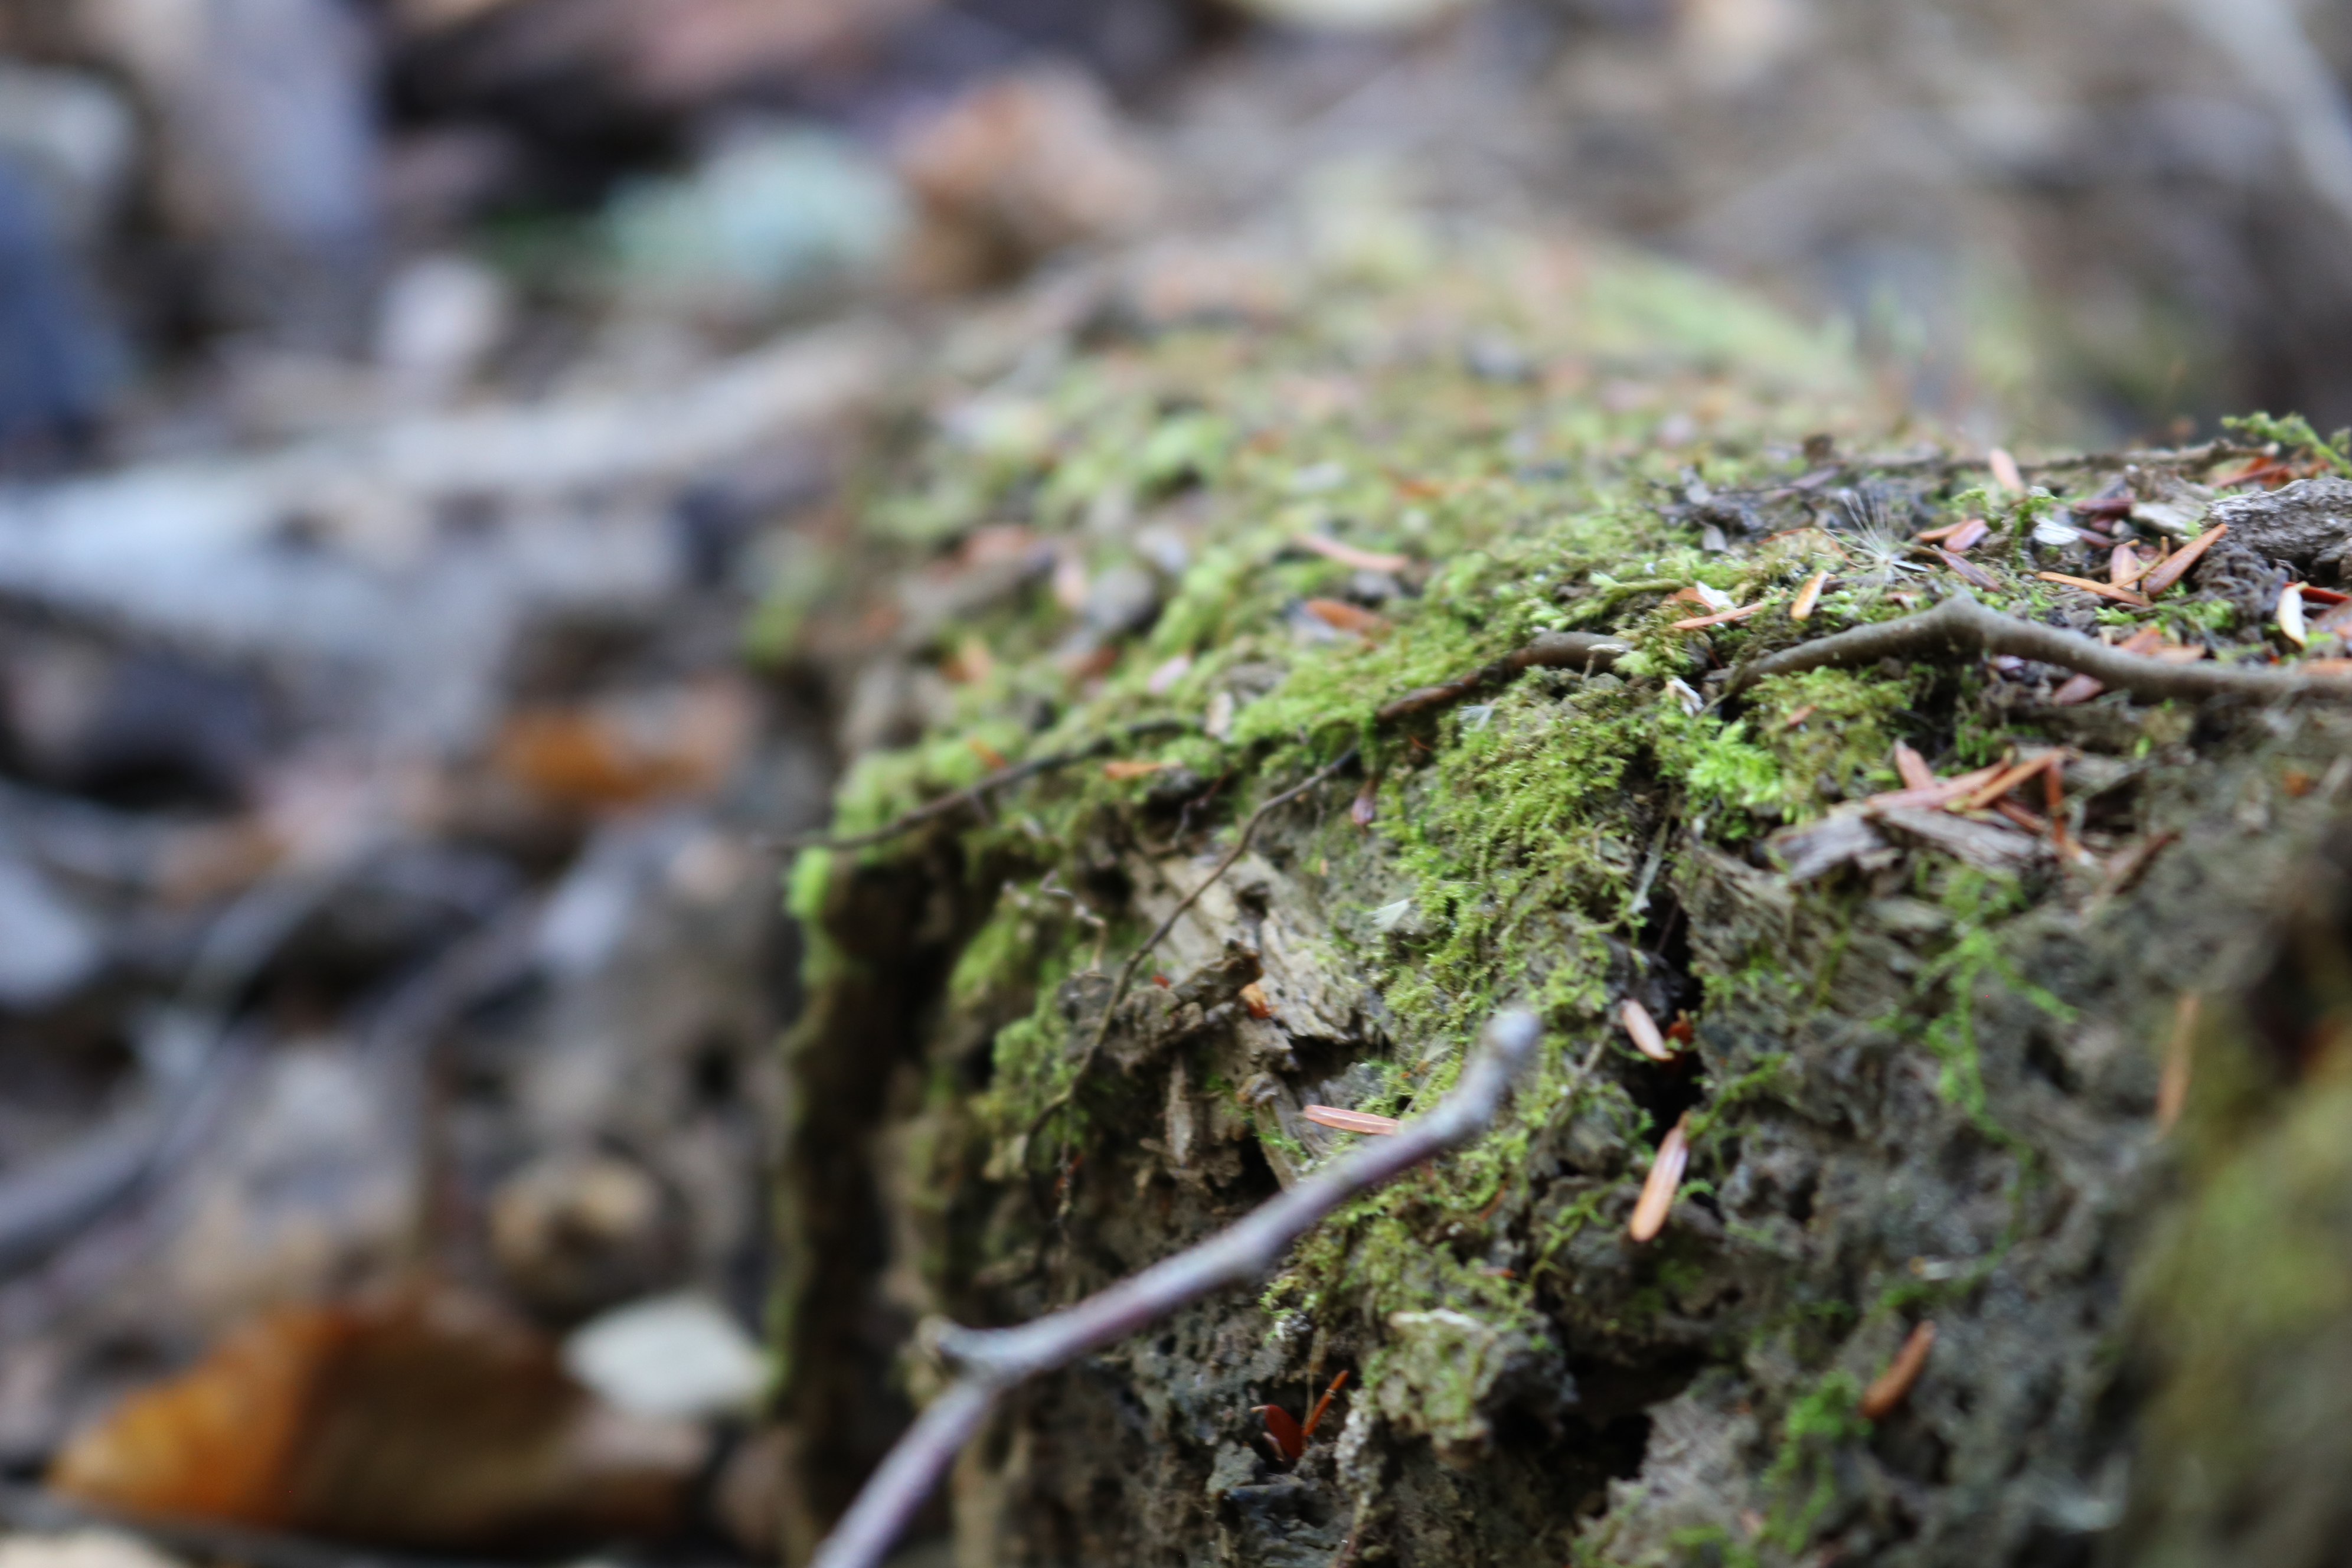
(1926, 1068)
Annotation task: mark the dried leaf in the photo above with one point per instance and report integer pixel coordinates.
(1253, 1001)
(420, 1418)
(1968, 536)
(1119, 772)
(1969, 572)
(628, 751)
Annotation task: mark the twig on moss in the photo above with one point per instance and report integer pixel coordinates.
(1589, 651)
(974, 794)
(989, 1362)
(1962, 626)
(1135, 960)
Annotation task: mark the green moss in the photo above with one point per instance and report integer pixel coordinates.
(2293, 433)
(1802, 1477)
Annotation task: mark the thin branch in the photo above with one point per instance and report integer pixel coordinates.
(1135, 960)
(1962, 626)
(1589, 651)
(974, 794)
(991, 1361)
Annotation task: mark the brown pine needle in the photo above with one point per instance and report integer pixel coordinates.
(1349, 1120)
(2176, 565)
(1889, 1389)
(1664, 1180)
(1808, 596)
(1913, 768)
(2172, 1085)
(1696, 622)
(1314, 1417)
(1349, 555)
(2104, 590)
(1647, 1040)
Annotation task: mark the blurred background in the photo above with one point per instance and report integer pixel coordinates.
(421, 425)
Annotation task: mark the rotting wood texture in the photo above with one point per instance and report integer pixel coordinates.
(1798, 776)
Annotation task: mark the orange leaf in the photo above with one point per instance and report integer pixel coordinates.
(1123, 769)
(418, 1418)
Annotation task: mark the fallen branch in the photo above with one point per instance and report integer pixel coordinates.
(1962, 626)
(972, 794)
(1589, 651)
(989, 1362)
(1135, 960)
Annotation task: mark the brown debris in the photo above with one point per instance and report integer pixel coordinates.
(1644, 1031)
(1349, 555)
(1665, 1178)
(1340, 615)
(2172, 1085)
(2176, 565)
(2104, 590)
(1890, 1388)
(420, 1417)
(1695, 623)
(1808, 596)
(1349, 1120)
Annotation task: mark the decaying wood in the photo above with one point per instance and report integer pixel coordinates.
(991, 1360)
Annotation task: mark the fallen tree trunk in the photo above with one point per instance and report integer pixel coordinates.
(1901, 955)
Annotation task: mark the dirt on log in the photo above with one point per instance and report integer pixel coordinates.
(2001, 1017)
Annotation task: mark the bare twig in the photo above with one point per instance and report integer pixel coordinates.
(991, 1361)
(974, 794)
(1589, 651)
(1135, 960)
(1962, 626)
